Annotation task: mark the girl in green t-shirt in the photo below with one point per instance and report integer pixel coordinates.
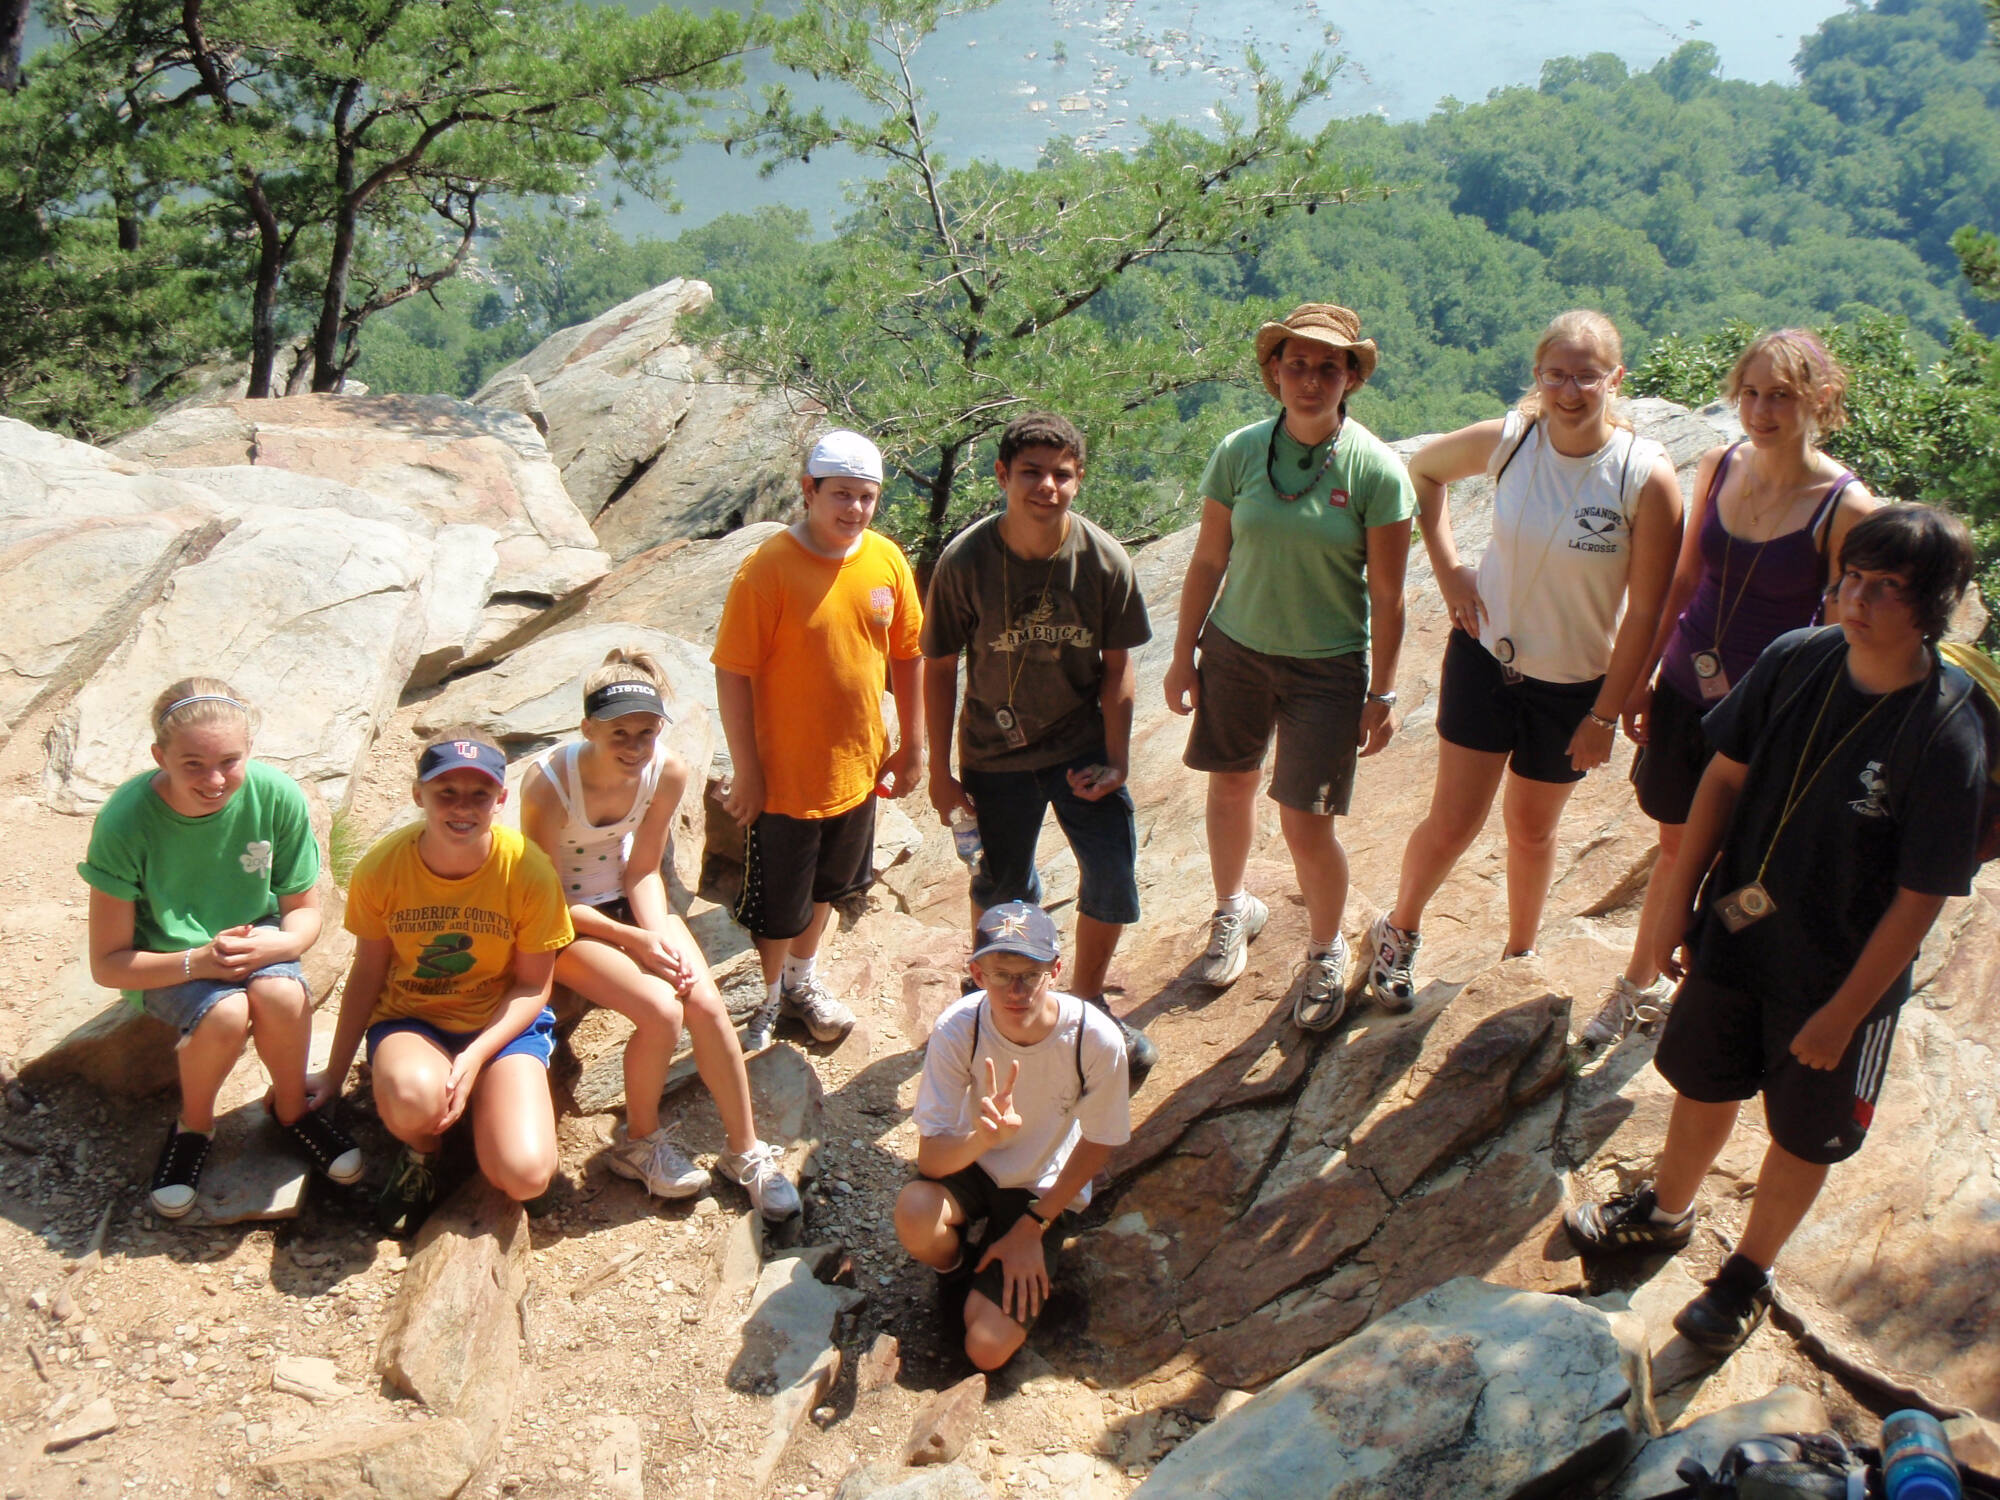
(202, 900)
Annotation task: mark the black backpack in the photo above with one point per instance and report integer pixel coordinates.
(1778, 1466)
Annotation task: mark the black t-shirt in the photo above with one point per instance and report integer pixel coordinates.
(1854, 838)
(1034, 632)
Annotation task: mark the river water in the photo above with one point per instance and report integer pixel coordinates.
(1006, 80)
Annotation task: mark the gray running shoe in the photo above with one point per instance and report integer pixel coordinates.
(658, 1162)
(1391, 965)
(1626, 1006)
(1322, 997)
(825, 1017)
(760, 1030)
(756, 1171)
(1229, 938)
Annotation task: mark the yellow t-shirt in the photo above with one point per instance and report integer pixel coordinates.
(454, 940)
(815, 635)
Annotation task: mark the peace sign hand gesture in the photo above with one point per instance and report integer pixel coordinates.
(998, 1122)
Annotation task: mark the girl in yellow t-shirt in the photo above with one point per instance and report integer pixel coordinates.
(459, 924)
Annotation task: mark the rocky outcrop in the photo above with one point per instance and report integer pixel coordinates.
(655, 440)
(439, 464)
(1469, 1391)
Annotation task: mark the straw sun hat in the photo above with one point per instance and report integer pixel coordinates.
(1323, 323)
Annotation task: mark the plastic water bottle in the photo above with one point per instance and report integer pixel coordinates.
(965, 837)
(1916, 1458)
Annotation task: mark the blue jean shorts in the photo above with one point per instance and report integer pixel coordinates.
(538, 1041)
(1102, 834)
(182, 1006)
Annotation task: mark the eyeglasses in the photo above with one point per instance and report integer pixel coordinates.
(1584, 380)
(1019, 984)
(1883, 588)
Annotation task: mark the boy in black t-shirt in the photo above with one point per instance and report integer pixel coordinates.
(1839, 812)
(1045, 610)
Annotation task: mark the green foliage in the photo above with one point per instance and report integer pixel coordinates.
(956, 298)
(321, 162)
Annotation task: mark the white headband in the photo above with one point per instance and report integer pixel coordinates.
(174, 708)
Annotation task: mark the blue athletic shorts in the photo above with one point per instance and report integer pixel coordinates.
(538, 1041)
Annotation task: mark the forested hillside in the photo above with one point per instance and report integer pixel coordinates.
(1685, 204)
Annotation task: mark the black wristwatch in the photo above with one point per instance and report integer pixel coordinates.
(1387, 699)
(1030, 1212)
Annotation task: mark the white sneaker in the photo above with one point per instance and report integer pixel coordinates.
(1392, 958)
(761, 1029)
(756, 1171)
(825, 1017)
(1625, 1006)
(657, 1162)
(1229, 935)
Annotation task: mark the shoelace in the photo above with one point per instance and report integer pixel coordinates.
(189, 1151)
(414, 1181)
(1227, 925)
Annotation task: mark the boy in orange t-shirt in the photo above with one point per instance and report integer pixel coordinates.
(814, 619)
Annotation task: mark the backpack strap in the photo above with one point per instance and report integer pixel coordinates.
(1082, 1025)
(1820, 527)
(1527, 427)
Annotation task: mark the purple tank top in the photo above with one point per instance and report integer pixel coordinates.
(1770, 588)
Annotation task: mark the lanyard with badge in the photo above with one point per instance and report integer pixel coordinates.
(1004, 715)
(1754, 902)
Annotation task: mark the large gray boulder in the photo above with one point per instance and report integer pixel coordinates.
(1470, 1391)
(315, 616)
(431, 462)
(654, 440)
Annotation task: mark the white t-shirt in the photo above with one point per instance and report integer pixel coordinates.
(1054, 1112)
(1553, 576)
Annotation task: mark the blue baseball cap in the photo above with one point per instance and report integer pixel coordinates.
(462, 755)
(1018, 927)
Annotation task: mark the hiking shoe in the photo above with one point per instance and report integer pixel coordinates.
(825, 1017)
(178, 1171)
(1140, 1053)
(1625, 1222)
(757, 1172)
(656, 1161)
(1391, 964)
(761, 1029)
(406, 1199)
(330, 1148)
(1626, 1006)
(1229, 938)
(1729, 1308)
(1322, 997)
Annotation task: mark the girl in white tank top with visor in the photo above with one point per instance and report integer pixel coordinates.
(602, 808)
(1549, 634)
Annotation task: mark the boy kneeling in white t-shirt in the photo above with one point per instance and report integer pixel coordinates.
(1023, 1100)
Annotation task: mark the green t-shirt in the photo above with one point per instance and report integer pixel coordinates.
(190, 878)
(1297, 568)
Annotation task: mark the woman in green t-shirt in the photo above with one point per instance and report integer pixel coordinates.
(1305, 532)
(202, 900)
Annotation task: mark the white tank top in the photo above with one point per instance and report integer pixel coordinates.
(590, 857)
(1553, 575)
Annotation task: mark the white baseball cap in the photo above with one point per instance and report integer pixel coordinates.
(844, 453)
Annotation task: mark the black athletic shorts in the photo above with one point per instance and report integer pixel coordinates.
(1000, 1209)
(1668, 767)
(792, 864)
(1529, 721)
(1721, 1044)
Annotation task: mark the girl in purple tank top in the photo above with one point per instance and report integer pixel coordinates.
(1768, 516)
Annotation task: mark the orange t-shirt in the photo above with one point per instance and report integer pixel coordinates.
(815, 635)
